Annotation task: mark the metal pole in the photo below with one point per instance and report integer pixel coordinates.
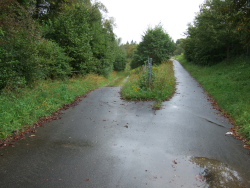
(150, 71)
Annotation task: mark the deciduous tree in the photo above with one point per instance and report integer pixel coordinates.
(156, 44)
(213, 36)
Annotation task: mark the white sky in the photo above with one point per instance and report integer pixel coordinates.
(133, 17)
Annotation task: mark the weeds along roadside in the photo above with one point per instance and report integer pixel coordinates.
(22, 109)
(162, 88)
(228, 84)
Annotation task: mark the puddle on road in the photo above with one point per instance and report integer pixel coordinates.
(216, 174)
(211, 173)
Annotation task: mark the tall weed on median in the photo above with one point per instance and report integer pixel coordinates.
(161, 89)
(228, 83)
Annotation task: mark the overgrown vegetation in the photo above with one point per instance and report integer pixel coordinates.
(55, 39)
(220, 31)
(47, 47)
(179, 47)
(162, 87)
(228, 83)
(130, 49)
(22, 109)
(118, 79)
(157, 84)
(156, 44)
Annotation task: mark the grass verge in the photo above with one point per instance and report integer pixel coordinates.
(22, 109)
(228, 83)
(161, 89)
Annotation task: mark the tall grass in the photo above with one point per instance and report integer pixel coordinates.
(23, 108)
(161, 89)
(229, 84)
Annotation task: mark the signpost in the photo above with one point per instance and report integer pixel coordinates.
(150, 70)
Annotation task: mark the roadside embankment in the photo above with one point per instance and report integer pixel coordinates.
(228, 84)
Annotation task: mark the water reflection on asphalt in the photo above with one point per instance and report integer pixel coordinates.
(210, 173)
(216, 174)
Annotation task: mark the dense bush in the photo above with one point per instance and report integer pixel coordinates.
(71, 31)
(220, 31)
(120, 59)
(68, 37)
(155, 44)
(88, 40)
(53, 62)
(18, 51)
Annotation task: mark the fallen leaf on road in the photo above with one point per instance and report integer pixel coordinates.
(174, 161)
(87, 179)
(246, 146)
(126, 126)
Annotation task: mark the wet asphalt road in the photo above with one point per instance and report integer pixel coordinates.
(111, 143)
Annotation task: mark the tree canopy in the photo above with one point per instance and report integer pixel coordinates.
(221, 30)
(52, 39)
(156, 44)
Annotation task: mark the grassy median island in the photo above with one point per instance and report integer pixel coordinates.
(228, 83)
(161, 88)
(21, 109)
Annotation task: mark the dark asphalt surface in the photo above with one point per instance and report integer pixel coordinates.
(106, 142)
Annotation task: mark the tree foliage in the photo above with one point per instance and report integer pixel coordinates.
(18, 39)
(88, 38)
(219, 31)
(179, 47)
(129, 50)
(155, 44)
(55, 39)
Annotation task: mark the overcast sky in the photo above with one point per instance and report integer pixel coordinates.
(133, 17)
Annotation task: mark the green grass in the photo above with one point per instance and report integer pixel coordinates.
(118, 78)
(229, 84)
(22, 109)
(161, 89)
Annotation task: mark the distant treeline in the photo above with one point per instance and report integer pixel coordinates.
(55, 39)
(221, 30)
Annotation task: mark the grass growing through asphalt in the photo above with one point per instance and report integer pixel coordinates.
(228, 83)
(161, 89)
(24, 108)
(118, 78)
